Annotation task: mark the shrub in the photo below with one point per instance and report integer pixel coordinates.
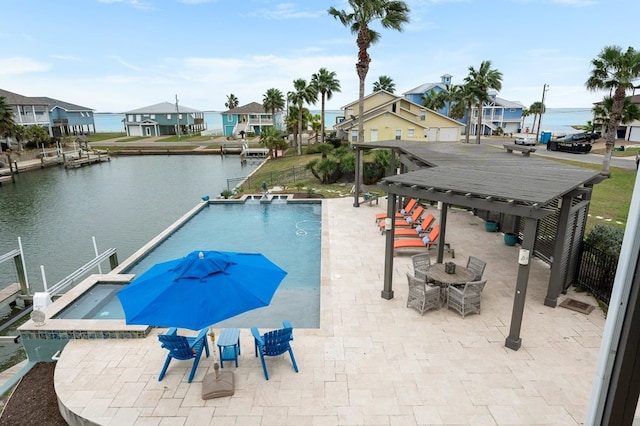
(606, 238)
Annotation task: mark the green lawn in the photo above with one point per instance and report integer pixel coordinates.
(611, 198)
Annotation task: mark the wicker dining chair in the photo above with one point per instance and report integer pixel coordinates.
(477, 266)
(422, 296)
(465, 300)
(421, 263)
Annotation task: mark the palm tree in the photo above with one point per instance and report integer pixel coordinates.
(536, 109)
(302, 94)
(7, 122)
(433, 100)
(614, 70)
(273, 100)
(232, 101)
(326, 84)
(483, 79)
(270, 137)
(465, 95)
(602, 111)
(391, 13)
(384, 83)
(449, 96)
(525, 114)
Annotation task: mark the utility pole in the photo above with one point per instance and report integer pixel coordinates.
(542, 109)
(177, 118)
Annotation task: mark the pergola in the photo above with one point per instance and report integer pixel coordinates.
(486, 178)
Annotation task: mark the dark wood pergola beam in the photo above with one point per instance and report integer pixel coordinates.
(467, 200)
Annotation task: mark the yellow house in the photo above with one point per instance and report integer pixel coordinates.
(388, 117)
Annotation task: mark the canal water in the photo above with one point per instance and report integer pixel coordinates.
(124, 203)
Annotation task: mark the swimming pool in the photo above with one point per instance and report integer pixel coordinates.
(98, 302)
(289, 234)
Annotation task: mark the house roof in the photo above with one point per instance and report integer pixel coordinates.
(370, 95)
(17, 99)
(162, 108)
(508, 104)
(250, 108)
(379, 110)
(56, 103)
(424, 88)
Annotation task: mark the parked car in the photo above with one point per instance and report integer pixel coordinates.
(525, 141)
(579, 137)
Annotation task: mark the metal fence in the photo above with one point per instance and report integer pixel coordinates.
(281, 178)
(596, 272)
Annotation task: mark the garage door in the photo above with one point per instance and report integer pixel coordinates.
(135, 131)
(634, 134)
(449, 134)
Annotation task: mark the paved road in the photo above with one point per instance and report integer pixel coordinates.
(622, 162)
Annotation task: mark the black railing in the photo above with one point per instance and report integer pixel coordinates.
(596, 272)
(284, 178)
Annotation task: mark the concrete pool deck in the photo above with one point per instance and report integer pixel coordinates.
(372, 361)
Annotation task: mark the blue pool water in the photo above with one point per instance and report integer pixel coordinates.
(289, 234)
(99, 302)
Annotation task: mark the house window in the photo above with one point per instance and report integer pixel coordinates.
(398, 134)
(349, 111)
(138, 117)
(81, 114)
(354, 135)
(423, 114)
(179, 116)
(411, 133)
(153, 116)
(168, 116)
(512, 110)
(229, 118)
(130, 118)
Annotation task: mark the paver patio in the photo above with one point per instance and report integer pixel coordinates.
(372, 361)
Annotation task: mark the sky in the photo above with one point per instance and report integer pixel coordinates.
(121, 55)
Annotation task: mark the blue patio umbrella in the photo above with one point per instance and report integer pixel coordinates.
(201, 289)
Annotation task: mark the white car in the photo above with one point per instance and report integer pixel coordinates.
(525, 141)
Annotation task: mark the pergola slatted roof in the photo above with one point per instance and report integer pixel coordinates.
(483, 177)
(487, 172)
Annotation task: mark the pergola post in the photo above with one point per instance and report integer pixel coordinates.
(356, 193)
(514, 341)
(555, 279)
(387, 291)
(443, 231)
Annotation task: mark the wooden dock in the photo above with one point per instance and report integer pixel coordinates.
(9, 294)
(82, 160)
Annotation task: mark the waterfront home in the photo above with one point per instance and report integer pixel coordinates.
(163, 119)
(496, 113)
(60, 118)
(27, 111)
(388, 116)
(249, 118)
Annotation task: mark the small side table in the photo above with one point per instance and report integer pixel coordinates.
(229, 345)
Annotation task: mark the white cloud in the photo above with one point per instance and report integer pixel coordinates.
(21, 65)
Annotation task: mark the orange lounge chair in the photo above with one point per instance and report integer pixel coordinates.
(408, 222)
(406, 211)
(418, 231)
(425, 242)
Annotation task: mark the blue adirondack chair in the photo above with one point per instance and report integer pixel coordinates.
(274, 343)
(183, 348)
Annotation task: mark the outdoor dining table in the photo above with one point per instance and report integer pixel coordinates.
(437, 274)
